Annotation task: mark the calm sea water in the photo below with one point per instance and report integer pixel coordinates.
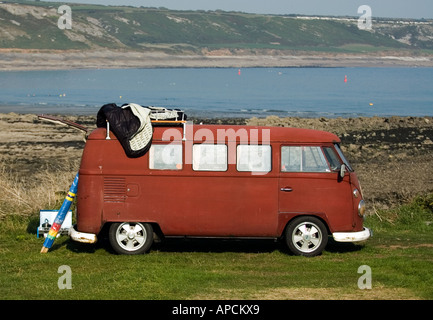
(225, 92)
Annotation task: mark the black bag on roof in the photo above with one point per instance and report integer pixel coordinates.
(130, 125)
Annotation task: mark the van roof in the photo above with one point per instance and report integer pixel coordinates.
(219, 133)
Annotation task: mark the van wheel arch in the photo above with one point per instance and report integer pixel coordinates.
(158, 235)
(309, 243)
(307, 215)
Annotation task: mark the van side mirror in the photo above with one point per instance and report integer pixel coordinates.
(342, 171)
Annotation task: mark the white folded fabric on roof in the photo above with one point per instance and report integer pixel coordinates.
(143, 136)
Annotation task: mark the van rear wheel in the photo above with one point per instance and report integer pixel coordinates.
(306, 236)
(131, 237)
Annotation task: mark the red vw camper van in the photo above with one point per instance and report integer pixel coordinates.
(220, 181)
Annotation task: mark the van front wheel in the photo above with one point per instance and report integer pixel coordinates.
(306, 236)
(131, 237)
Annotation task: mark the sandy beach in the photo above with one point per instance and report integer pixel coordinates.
(393, 157)
(19, 59)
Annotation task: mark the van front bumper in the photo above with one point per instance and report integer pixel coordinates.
(82, 236)
(353, 236)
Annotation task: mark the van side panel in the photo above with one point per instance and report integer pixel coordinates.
(213, 206)
(90, 188)
(318, 194)
(89, 204)
(198, 205)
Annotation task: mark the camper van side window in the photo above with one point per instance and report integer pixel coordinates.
(209, 157)
(165, 156)
(303, 159)
(256, 158)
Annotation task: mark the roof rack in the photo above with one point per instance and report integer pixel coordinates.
(168, 122)
(163, 123)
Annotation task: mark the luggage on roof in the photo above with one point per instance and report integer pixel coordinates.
(164, 114)
(132, 124)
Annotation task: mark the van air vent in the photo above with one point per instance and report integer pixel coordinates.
(114, 189)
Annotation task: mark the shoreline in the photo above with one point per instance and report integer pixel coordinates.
(33, 60)
(210, 115)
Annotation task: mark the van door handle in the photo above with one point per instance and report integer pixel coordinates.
(286, 189)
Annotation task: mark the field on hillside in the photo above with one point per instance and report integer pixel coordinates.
(30, 25)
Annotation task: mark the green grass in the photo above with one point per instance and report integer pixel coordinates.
(400, 256)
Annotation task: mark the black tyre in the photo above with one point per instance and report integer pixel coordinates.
(306, 236)
(131, 237)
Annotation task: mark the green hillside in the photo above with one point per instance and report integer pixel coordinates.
(33, 25)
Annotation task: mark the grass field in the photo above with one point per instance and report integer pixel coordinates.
(400, 256)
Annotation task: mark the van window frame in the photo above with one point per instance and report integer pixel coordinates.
(211, 170)
(177, 144)
(255, 145)
(340, 162)
(342, 157)
(321, 155)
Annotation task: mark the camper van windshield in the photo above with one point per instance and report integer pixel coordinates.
(340, 153)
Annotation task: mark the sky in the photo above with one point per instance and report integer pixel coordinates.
(415, 9)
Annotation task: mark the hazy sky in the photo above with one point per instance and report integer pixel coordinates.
(380, 8)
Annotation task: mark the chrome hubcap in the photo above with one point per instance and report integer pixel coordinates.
(131, 236)
(306, 237)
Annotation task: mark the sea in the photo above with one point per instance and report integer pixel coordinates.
(225, 92)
